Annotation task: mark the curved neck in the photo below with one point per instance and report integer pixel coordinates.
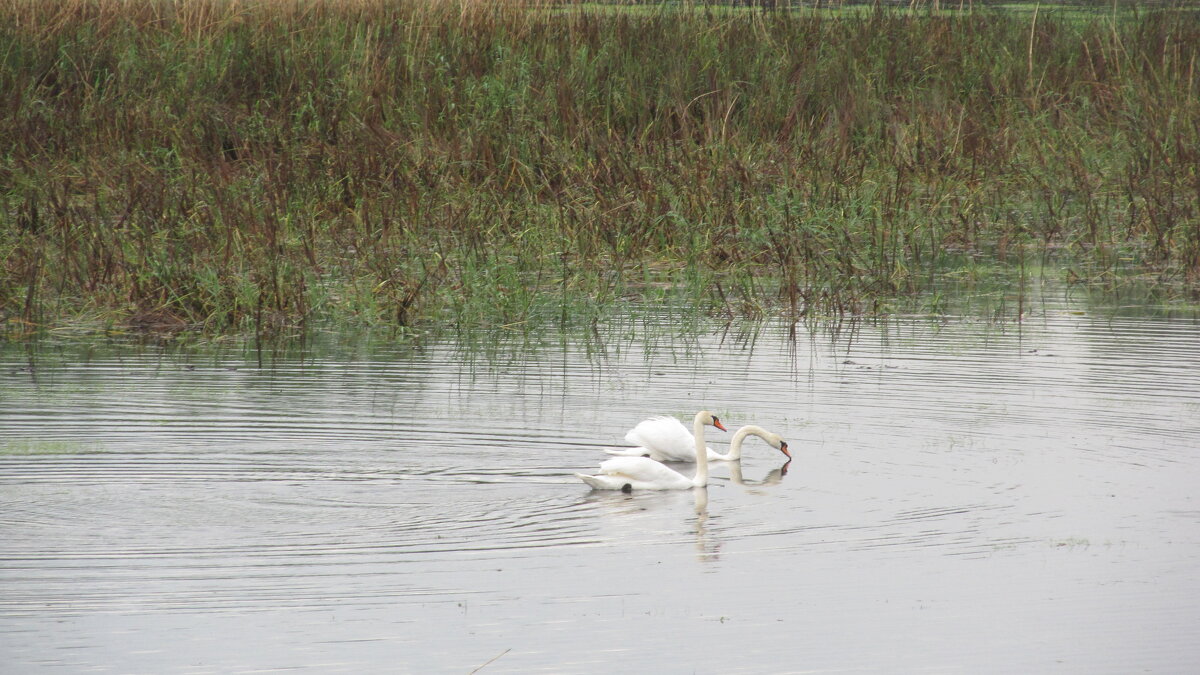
(735, 445)
(701, 478)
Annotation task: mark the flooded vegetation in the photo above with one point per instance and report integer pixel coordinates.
(964, 495)
(313, 311)
(235, 166)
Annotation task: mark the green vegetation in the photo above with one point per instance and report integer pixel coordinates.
(236, 165)
(23, 447)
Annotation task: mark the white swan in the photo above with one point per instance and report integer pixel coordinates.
(643, 473)
(666, 439)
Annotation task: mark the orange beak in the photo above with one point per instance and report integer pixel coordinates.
(784, 450)
(717, 424)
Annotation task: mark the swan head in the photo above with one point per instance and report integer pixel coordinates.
(705, 417)
(776, 441)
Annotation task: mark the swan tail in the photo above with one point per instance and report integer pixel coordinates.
(628, 452)
(602, 482)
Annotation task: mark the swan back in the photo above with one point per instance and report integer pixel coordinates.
(663, 438)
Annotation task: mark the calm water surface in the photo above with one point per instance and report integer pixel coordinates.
(965, 497)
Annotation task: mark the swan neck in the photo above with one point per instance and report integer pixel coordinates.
(701, 478)
(739, 437)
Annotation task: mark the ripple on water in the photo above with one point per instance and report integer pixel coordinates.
(94, 543)
(133, 485)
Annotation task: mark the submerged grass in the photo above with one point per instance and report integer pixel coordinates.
(237, 165)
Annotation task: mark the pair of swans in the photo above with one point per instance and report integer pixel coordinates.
(661, 437)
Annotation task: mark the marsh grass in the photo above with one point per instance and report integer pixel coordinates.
(262, 165)
(18, 448)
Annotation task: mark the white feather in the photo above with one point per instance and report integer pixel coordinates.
(662, 438)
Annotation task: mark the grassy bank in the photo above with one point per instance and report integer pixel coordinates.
(236, 165)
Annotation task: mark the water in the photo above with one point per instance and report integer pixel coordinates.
(966, 497)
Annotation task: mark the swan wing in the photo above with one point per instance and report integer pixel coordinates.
(666, 438)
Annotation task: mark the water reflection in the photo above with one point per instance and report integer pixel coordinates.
(375, 505)
(772, 478)
(707, 550)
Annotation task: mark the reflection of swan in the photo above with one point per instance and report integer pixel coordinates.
(706, 549)
(662, 438)
(775, 476)
(643, 473)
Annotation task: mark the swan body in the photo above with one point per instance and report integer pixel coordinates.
(643, 473)
(664, 439)
(636, 473)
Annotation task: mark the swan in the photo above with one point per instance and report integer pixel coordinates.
(643, 473)
(666, 439)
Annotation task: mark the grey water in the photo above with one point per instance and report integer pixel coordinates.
(966, 496)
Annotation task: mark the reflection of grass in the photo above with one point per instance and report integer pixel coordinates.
(30, 447)
(265, 165)
(1071, 542)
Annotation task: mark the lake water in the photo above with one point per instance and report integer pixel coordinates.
(965, 497)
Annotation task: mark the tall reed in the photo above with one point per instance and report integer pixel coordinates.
(254, 163)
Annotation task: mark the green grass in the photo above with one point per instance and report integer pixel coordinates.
(234, 166)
